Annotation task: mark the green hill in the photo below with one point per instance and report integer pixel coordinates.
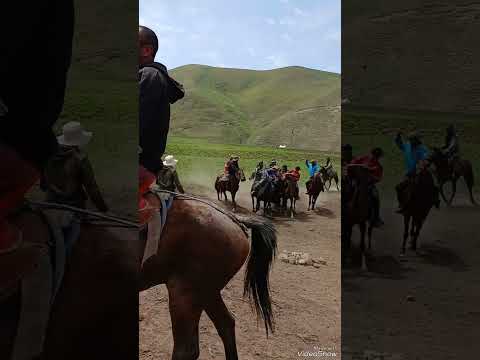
(259, 107)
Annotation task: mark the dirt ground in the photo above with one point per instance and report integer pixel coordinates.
(422, 306)
(306, 299)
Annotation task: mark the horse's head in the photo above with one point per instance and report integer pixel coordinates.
(438, 158)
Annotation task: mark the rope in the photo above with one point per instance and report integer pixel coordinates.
(115, 219)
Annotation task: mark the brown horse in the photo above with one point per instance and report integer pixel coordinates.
(356, 210)
(314, 189)
(95, 313)
(232, 185)
(200, 250)
(446, 171)
(329, 175)
(290, 193)
(424, 196)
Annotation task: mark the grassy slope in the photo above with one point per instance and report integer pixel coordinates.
(259, 107)
(365, 129)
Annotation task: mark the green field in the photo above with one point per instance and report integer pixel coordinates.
(201, 161)
(237, 106)
(368, 128)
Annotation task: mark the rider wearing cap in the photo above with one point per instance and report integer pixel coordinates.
(313, 168)
(69, 178)
(415, 155)
(372, 161)
(231, 167)
(451, 149)
(167, 178)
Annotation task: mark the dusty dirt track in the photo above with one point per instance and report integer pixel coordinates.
(306, 299)
(419, 307)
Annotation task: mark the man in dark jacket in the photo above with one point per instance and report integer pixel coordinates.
(31, 96)
(157, 91)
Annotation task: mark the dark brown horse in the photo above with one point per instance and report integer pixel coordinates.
(451, 172)
(200, 250)
(271, 193)
(314, 189)
(329, 175)
(289, 193)
(356, 210)
(232, 185)
(423, 197)
(95, 313)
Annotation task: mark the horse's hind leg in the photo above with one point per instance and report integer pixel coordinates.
(442, 193)
(185, 314)
(406, 225)
(469, 181)
(454, 190)
(362, 245)
(418, 226)
(370, 231)
(224, 323)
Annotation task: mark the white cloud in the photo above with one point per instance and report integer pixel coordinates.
(286, 37)
(270, 21)
(169, 29)
(333, 35)
(299, 12)
(277, 60)
(287, 21)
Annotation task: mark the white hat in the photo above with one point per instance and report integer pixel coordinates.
(170, 161)
(74, 135)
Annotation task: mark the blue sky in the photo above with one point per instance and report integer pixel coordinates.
(247, 34)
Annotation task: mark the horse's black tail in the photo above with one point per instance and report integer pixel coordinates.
(262, 254)
(469, 179)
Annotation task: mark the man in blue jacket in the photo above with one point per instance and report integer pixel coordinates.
(313, 168)
(415, 154)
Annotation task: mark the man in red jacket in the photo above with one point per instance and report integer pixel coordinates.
(295, 176)
(372, 161)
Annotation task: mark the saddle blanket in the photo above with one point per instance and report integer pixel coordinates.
(155, 226)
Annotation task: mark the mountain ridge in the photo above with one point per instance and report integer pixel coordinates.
(295, 106)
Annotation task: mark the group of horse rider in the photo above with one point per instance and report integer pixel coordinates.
(416, 157)
(272, 174)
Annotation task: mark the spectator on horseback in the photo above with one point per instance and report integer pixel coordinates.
(415, 154)
(451, 148)
(167, 178)
(313, 168)
(372, 161)
(69, 178)
(157, 92)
